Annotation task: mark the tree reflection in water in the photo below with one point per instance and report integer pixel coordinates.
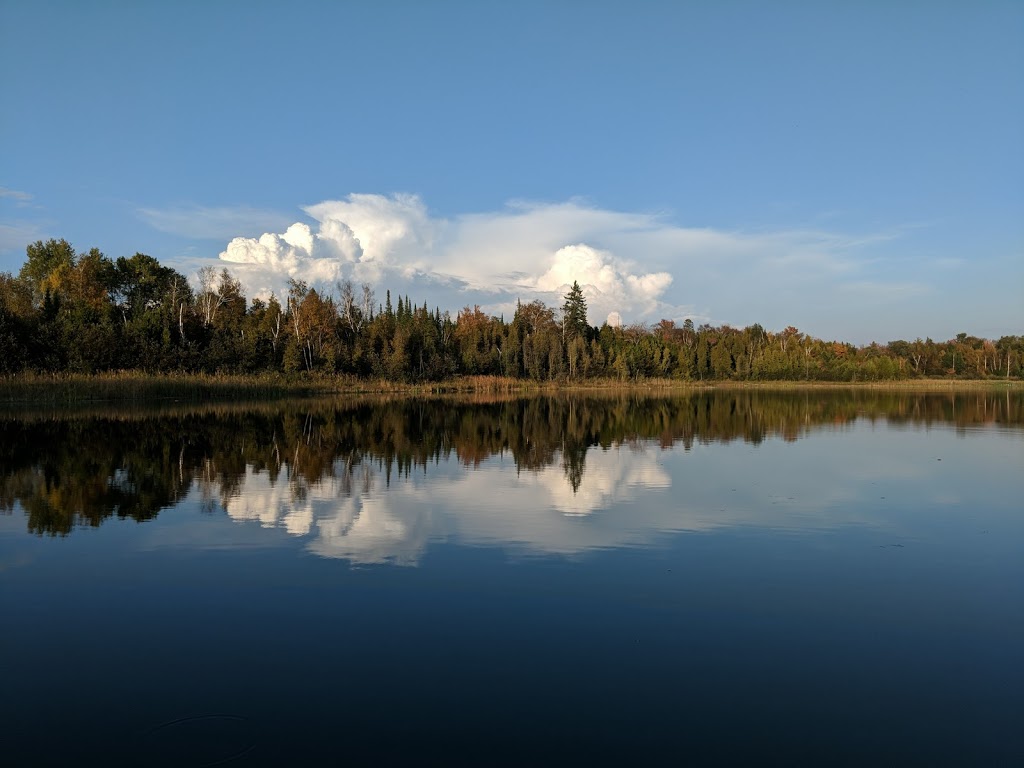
(78, 469)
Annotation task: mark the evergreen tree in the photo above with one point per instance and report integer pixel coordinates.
(574, 314)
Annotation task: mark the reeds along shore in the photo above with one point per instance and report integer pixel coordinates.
(132, 386)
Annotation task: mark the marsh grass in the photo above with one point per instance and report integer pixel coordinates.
(59, 390)
(133, 386)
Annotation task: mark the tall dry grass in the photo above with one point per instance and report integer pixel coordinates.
(137, 387)
(134, 386)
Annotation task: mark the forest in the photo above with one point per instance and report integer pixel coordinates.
(69, 312)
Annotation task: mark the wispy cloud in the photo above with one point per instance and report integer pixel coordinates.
(212, 223)
(14, 194)
(879, 290)
(15, 235)
(20, 221)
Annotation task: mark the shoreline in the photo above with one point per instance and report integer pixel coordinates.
(74, 389)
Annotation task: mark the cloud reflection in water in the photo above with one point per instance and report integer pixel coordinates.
(492, 504)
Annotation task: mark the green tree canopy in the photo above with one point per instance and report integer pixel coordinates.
(42, 262)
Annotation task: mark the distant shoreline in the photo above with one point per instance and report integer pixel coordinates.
(61, 389)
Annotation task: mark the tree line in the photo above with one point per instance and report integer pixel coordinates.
(84, 312)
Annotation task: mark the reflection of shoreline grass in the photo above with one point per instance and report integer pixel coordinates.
(134, 387)
(896, 385)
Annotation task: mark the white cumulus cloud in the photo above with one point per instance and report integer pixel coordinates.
(387, 229)
(639, 265)
(523, 253)
(606, 281)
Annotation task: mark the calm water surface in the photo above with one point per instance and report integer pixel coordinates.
(741, 578)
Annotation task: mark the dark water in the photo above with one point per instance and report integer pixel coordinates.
(754, 578)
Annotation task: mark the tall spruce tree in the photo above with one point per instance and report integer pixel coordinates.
(574, 314)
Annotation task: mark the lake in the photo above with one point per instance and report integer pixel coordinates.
(745, 577)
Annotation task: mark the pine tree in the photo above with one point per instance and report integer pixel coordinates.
(574, 314)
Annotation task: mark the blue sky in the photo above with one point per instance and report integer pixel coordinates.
(854, 169)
